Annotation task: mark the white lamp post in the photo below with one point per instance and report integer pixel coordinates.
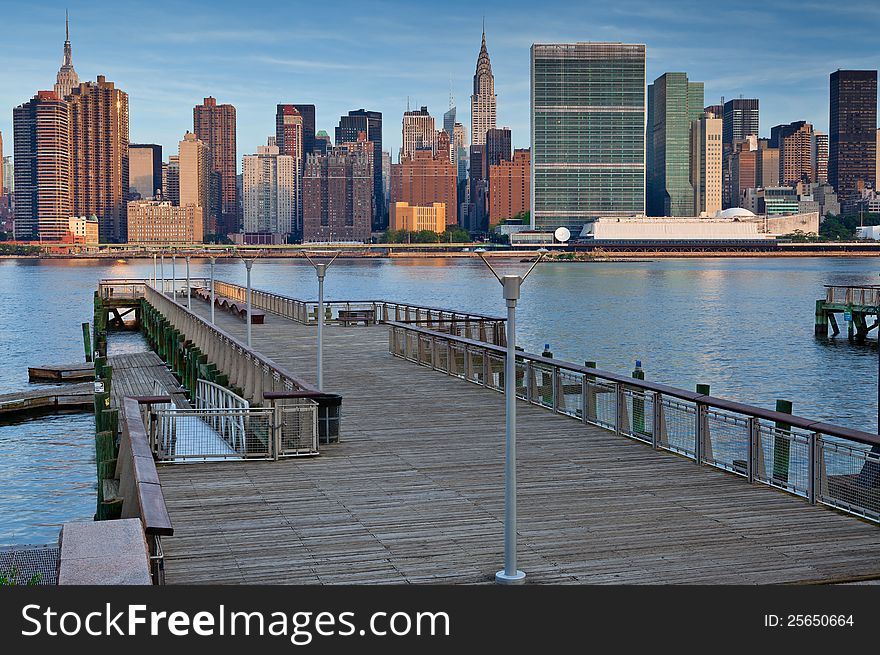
(162, 271)
(213, 259)
(154, 270)
(511, 290)
(188, 286)
(248, 263)
(321, 270)
(174, 277)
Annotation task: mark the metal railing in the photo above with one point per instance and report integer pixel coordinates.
(247, 369)
(372, 312)
(212, 396)
(286, 429)
(133, 288)
(867, 295)
(822, 463)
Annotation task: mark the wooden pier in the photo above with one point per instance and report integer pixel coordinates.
(856, 305)
(413, 493)
(78, 397)
(78, 372)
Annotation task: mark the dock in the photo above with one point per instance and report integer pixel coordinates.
(857, 306)
(78, 372)
(77, 397)
(413, 490)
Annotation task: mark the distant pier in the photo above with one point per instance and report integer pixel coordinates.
(857, 306)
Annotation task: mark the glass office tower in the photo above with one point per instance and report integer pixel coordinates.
(588, 132)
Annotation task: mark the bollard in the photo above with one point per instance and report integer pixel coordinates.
(638, 401)
(781, 443)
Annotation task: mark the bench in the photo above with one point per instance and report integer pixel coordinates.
(355, 316)
(234, 307)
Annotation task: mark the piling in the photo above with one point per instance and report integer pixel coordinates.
(781, 443)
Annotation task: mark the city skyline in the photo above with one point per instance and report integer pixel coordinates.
(234, 54)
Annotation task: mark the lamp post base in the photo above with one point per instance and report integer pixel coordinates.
(517, 578)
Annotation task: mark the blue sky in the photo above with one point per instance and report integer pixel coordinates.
(341, 55)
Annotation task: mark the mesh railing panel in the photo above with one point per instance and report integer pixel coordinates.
(602, 404)
(209, 435)
(784, 458)
(298, 433)
(570, 390)
(727, 443)
(849, 477)
(680, 427)
(639, 415)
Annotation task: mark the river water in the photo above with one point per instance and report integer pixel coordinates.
(742, 325)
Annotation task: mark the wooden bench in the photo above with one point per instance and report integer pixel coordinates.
(355, 316)
(234, 307)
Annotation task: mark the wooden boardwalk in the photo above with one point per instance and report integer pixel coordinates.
(46, 399)
(414, 494)
(135, 374)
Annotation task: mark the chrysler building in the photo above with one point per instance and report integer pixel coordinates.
(483, 100)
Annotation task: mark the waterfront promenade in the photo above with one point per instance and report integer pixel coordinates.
(414, 493)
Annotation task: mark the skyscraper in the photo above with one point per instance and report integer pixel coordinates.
(308, 126)
(741, 119)
(290, 139)
(509, 187)
(819, 157)
(588, 132)
(67, 79)
(483, 99)
(418, 132)
(795, 143)
(194, 179)
(424, 179)
(337, 196)
(348, 131)
(42, 167)
(99, 161)
(459, 150)
(215, 125)
(852, 138)
(677, 102)
(705, 164)
(144, 169)
(269, 189)
(498, 146)
(449, 128)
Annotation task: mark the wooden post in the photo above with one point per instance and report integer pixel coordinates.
(781, 444)
(87, 341)
(821, 327)
(700, 431)
(638, 403)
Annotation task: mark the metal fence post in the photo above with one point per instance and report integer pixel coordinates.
(556, 387)
(657, 420)
(753, 448)
(699, 433)
(812, 467)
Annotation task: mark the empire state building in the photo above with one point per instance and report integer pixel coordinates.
(483, 100)
(67, 79)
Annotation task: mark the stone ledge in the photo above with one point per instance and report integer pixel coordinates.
(104, 553)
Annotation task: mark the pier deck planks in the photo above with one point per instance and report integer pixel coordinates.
(414, 494)
(134, 375)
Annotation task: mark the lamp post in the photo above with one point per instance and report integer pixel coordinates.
(213, 259)
(174, 277)
(321, 270)
(154, 269)
(188, 286)
(510, 285)
(162, 272)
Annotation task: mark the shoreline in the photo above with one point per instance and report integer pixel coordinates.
(604, 258)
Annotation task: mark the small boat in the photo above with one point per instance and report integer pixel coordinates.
(121, 261)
